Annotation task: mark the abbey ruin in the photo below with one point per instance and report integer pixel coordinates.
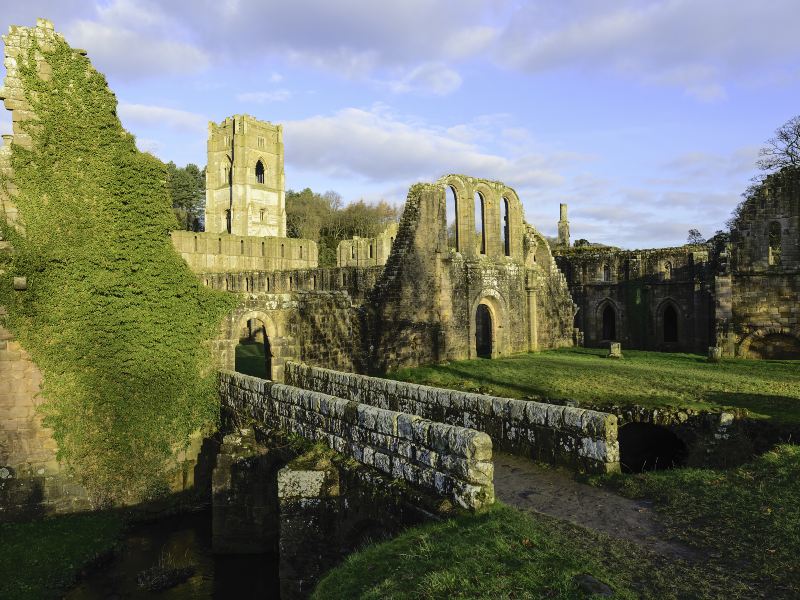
(462, 275)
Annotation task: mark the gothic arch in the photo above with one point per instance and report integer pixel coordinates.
(497, 308)
(608, 320)
(669, 323)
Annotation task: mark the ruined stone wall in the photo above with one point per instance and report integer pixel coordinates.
(220, 252)
(31, 480)
(451, 461)
(761, 316)
(366, 252)
(574, 437)
(424, 308)
(639, 286)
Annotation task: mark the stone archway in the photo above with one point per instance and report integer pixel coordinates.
(772, 344)
(483, 331)
(253, 353)
(608, 327)
(488, 325)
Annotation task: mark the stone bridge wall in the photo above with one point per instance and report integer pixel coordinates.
(451, 461)
(573, 437)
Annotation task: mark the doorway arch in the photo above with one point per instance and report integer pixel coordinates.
(253, 355)
(608, 329)
(670, 325)
(484, 331)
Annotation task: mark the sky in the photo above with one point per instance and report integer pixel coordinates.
(645, 117)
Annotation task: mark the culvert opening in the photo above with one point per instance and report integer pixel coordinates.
(648, 447)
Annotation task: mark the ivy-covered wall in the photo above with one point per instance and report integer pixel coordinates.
(112, 315)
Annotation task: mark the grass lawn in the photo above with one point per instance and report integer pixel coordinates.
(767, 389)
(745, 522)
(251, 359)
(41, 559)
(506, 553)
(748, 517)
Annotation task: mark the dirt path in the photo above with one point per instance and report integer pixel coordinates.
(522, 483)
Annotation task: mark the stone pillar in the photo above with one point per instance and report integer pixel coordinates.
(244, 497)
(563, 226)
(533, 322)
(310, 518)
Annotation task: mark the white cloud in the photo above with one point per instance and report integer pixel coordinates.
(265, 96)
(162, 117)
(378, 146)
(135, 40)
(696, 45)
(432, 78)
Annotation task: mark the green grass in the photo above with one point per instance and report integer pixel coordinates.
(748, 517)
(251, 359)
(41, 559)
(745, 522)
(767, 389)
(505, 553)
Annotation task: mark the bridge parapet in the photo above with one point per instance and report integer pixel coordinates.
(574, 437)
(448, 460)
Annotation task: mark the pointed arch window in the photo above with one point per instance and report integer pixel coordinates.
(480, 230)
(667, 270)
(505, 228)
(259, 172)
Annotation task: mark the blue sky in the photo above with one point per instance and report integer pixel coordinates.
(645, 117)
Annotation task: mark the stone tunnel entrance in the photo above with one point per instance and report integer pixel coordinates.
(648, 447)
(254, 353)
(483, 331)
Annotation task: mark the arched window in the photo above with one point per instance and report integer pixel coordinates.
(451, 217)
(353, 252)
(667, 270)
(370, 250)
(228, 220)
(480, 233)
(504, 228)
(670, 325)
(606, 273)
(301, 252)
(774, 243)
(609, 323)
(262, 248)
(283, 251)
(259, 172)
(241, 247)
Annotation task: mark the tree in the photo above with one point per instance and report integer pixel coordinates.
(783, 150)
(695, 237)
(326, 220)
(187, 189)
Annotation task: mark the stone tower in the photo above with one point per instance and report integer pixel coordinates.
(563, 227)
(244, 178)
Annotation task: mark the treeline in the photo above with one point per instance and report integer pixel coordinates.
(325, 219)
(187, 190)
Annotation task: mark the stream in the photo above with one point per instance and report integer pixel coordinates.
(179, 541)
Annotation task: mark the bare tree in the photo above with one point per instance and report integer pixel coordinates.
(783, 150)
(695, 237)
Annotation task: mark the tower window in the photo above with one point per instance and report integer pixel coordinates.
(259, 172)
(261, 214)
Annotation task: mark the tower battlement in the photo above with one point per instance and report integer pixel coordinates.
(245, 189)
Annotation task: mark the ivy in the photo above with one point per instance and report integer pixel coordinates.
(112, 315)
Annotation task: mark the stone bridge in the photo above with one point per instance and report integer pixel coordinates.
(439, 440)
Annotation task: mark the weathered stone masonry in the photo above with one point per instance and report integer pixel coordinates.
(574, 437)
(446, 459)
